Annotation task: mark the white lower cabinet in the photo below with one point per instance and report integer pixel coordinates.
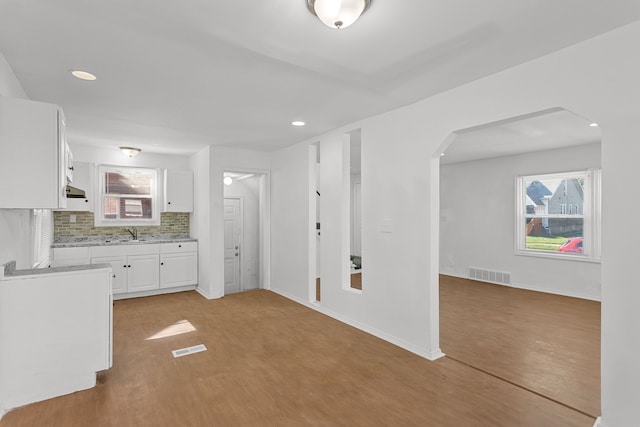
(138, 267)
(142, 273)
(61, 257)
(118, 271)
(135, 266)
(178, 264)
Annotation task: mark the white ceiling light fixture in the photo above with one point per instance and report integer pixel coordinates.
(227, 180)
(130, 151)
(298, 123)
(338, 13)
(593, 125)
(83, 75)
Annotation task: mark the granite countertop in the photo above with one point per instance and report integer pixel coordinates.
(74, 242)
(9, 269)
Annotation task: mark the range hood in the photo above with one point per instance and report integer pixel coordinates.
(75, 193)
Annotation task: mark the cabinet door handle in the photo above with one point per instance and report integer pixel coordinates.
(179, 246)
(168, 203)
(162, 263)
(125, 266)
(129, 266)
(71, 168)
(86, 201)
(114, 276)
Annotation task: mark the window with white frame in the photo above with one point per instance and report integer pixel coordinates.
(558, 215)
(128, 196)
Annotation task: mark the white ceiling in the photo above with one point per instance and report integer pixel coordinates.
(175, 76)
(547, 130)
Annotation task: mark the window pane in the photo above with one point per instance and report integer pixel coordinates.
(139, 208)
(111, 207)
(128, 208)
(555, 196)
(563, 235)
(128, 182)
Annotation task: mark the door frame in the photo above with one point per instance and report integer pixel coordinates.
(240, 237)
(264, 215)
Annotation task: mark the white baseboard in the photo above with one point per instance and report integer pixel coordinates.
(599, 423)
(427, 354)
(202, 292)
(531, 288)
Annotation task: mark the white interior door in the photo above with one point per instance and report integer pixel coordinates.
(232, 230)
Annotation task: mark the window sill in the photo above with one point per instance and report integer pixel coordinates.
(557, 256)
(352, 290)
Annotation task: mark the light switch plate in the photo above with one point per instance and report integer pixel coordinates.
(386, 226)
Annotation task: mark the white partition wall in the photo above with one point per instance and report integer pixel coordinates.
(595, 79)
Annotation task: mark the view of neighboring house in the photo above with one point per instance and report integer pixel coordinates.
(555, 197)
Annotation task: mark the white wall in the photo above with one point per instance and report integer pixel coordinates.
(249, 192)
(290, 186)
(200, 220)
(209, 166)
(477, 204)
(596, 79)
(15, 229)
(9, 84)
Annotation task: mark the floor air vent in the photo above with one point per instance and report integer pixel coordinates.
(189, 350)
(490, 276)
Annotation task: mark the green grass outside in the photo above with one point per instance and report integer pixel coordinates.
(550, 243)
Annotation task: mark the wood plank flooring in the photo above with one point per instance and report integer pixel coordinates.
(272, 362)
(548, 344)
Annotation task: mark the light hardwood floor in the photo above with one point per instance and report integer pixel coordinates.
(545, 343)
(272, 362)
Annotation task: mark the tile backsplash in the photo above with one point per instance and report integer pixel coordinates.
(170, 223)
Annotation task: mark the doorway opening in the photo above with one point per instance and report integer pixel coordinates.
(314, 219)
(520, 317)
(244, 231)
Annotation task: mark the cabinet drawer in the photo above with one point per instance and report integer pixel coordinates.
(178, 247)
(71, 253)
(132, 249)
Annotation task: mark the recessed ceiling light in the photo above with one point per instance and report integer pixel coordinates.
(227, 180)
(83, 75)
(298, 123)
(593, 125)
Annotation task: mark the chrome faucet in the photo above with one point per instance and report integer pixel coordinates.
(133, 233)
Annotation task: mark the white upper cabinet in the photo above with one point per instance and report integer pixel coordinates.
(83, 179)
(33, 158)
(178, 191)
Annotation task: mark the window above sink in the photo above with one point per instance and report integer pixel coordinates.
(128, 196)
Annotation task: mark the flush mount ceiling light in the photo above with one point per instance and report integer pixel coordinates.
(83, 75)
(227, 180)
(130, 151)
(338, 13)
(298, 123)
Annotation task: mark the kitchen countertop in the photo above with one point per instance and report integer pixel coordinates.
(9, 269)
(75, 242)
